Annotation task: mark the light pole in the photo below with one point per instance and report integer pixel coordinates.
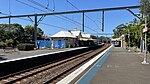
(129, 40)
(145, 30)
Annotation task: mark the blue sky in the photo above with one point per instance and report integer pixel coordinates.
(112, 18)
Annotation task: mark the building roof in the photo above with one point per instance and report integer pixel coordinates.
(63, 34)
(86, 35)
(76, 33)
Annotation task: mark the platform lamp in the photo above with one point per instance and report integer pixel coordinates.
(145, 31)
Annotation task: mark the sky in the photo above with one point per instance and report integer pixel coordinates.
(112, 18)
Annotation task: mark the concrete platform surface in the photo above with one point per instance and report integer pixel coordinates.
(122, 67)
(8, 55)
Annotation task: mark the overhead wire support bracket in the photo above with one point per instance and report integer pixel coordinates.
(133, 13)
(42, 17)
(72, 12)
(30, 18)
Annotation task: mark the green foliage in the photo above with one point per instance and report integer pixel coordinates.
(25, 46)
(9, 41)
(134, 28)
(18, 34)
(145, 10)
(2, 44)
(29, 32)
(131, 30)
(118, 31)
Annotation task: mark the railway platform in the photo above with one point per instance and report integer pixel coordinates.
(118, 66)
(9, 55)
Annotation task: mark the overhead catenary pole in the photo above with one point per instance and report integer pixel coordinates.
(35, 29)
(83, 22)
(9, 26)
(102, 21)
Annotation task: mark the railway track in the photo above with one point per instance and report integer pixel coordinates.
(53, 72)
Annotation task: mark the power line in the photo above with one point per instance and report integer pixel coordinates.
(38, 4)
(47, 3)
(41, 23)
(53, 26)
(9, 8)
(84, 14)
(34, 7)
(30, 5)
(54, 5)
(52, 11)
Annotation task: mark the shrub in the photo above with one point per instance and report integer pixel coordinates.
(2, 44)
(25, 46)
(9, 41)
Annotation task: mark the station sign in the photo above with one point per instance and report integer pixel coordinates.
(145, 29)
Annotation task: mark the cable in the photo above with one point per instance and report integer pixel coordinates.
(30, 5)
(54, 5)
(41, 23)
(9, 8)
(47, 3)
(38, 4)
(51, 11)
(84, 14)
(53, 26)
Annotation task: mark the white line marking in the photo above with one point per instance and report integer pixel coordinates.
(77, 72)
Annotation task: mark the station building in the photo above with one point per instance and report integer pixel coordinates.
(68, 39)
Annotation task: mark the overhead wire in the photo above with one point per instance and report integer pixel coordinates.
(43, 10)
(41, 23)
(47, 3)
(84, 14)
(51, 11)
(36, 3)
(35, 8)
(29, 5)
(54, 5)
(40, 5)
(9, 8)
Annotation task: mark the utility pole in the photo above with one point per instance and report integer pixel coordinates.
(35, 29)
(103, 21)
(129, 40)
(9, 28)
(145, 55)
(145, 31)
(83, 21)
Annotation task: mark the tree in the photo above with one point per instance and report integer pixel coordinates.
(16, 33)
(29, 33)
(118, 31)
(145, 10)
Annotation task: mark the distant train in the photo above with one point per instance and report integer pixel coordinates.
(117, 43)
